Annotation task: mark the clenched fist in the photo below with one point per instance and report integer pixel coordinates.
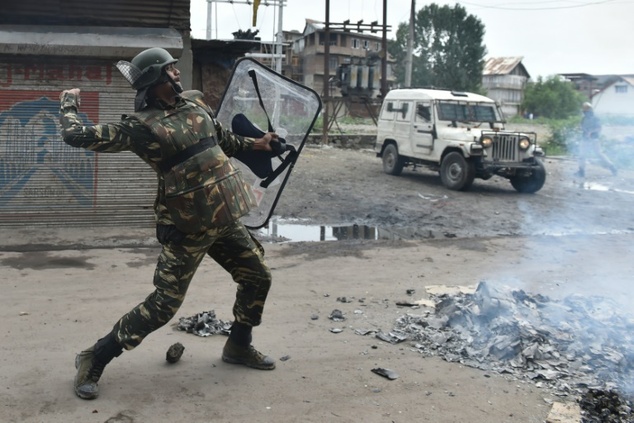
(74, 91)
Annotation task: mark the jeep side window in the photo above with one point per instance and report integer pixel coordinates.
(389, 112)
(423, 113)
(404, 111)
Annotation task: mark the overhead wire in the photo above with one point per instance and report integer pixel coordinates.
(511, 8)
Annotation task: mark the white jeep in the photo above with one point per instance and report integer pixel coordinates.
(459, 134)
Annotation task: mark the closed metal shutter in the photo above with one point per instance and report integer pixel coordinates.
(43, 181)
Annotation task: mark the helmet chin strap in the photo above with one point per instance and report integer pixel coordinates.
(176, 87)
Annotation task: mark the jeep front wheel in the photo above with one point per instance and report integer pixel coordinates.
(456, 172)
(529, 182)
(392, 162)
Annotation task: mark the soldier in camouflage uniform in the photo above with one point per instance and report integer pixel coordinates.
(590, 142)
(200, 199)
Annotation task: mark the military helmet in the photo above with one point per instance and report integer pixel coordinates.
(146, 68)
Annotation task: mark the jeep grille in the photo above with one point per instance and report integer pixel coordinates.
(505, 148)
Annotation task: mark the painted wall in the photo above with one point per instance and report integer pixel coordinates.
(616, 99)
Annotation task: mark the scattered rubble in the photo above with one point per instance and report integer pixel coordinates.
(174, 353)
(564, 413)
(386, 373)
(204, 324)
(337, 316)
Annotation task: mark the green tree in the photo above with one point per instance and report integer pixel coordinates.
(552, 98)
(448, 49)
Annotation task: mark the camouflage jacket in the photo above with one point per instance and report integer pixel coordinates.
(132, 134)
(590, 124)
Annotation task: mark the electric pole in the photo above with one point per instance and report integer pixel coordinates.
(410, 47)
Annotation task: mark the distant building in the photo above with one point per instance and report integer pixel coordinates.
(213, 61)
(504, 79)
(583, 82)
(616, 97)
(357, 53)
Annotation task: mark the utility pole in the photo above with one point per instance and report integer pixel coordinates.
(279, 3)
(384, 48)
(208, 20)
(410, 47)
(279, 40)
(326, 96)
(346, 26)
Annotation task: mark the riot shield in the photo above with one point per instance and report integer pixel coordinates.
(257, 100)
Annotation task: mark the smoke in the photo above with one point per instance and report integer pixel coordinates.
(571, 345)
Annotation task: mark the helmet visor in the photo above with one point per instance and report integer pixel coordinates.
(129, 71)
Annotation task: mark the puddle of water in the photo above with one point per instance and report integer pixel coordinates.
(593, 186)
(287, 230)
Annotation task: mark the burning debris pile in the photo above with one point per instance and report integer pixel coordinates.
(204, 324)
(572, 345)
(605, 407)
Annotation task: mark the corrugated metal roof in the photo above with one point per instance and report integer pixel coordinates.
(137, 13)
(501, 65)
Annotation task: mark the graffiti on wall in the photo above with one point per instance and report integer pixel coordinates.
(37, 169)
(14, 74)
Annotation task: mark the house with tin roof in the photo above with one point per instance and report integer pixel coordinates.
(504, 79)
(615, 98)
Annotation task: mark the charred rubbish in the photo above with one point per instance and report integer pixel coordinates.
(204, 324)
(571, 346)
(599, 406)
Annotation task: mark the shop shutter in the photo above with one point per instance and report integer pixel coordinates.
(43, 181)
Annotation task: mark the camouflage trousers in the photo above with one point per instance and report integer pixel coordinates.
(231, 246)
(592, 145)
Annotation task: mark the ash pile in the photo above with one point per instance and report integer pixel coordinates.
(574, 346)
(204, 324)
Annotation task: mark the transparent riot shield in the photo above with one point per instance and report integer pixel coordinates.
(257, 100)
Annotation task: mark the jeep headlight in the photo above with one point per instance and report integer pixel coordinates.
(524, 143)
(487, 142)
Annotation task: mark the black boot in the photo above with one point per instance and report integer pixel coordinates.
(238, 349)
(90, 364)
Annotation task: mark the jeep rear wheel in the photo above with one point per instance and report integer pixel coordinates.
(392, 162)
(456, 172)
(529, 182)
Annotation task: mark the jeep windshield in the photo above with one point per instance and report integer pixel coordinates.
(468, 112)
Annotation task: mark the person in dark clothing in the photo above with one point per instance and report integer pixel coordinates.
(590, 141)
(200, 198)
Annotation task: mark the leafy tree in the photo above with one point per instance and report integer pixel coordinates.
(448, 49)
(553, 98)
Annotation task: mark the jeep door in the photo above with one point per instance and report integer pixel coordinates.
(402, 126)
(422, 131)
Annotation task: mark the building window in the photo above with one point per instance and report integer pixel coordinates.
(620, 89)
(355, 43)
(333, 39)
(333, 63)
(378, 46)
(366, 44)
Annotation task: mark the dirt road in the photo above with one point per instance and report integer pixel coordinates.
(339, 187)
(62, 289)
